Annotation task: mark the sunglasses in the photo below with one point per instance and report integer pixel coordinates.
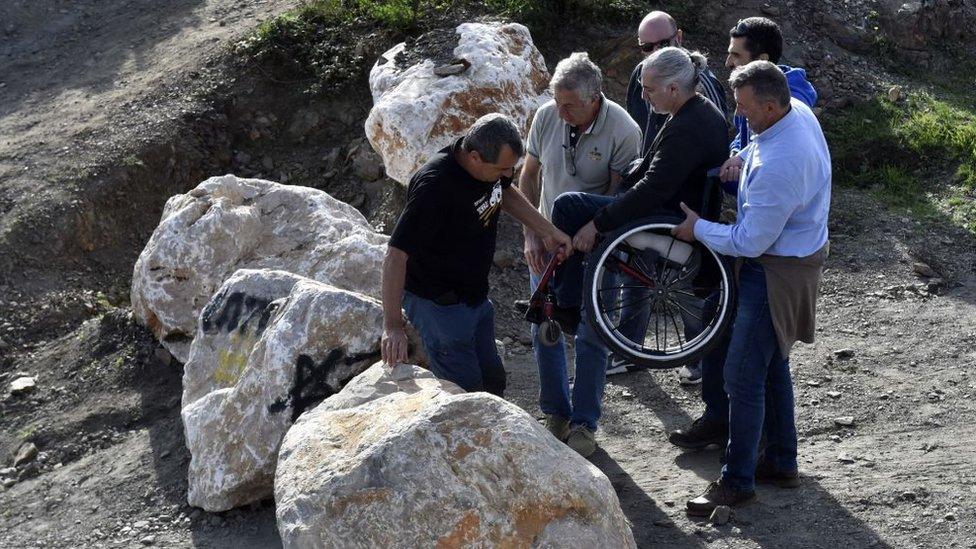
(651, 47)
(570, 152)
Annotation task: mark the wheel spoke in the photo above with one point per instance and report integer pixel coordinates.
(657, 328)
(684, 291)
(642, 267)
(623, 321)
(628, 304)
(665, 348)
(676, 330)
(688, 311)
(667, 256)
(622, 287)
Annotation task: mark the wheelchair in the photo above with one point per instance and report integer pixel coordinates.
(655, 301)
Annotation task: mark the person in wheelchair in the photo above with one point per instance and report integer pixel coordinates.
(693, 140)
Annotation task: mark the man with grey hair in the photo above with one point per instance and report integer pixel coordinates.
(441, 250)
(579, 141)
(659, 30)
(780, 236)
(694, 139)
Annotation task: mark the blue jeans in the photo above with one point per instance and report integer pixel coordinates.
(759, 386)
(584, 405)
(570, 212)
(460, 342)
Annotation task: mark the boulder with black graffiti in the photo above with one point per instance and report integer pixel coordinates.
(229, 223)
(270, 346)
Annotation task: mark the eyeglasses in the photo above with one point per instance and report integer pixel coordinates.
(651, 47)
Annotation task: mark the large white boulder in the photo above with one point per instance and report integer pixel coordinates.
(227, 223)
(415, 464)
(416, 112)
(270, 345)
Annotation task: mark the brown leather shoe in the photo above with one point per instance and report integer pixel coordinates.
(718, 493)
(558, 426)
(700, 435)
(767, 474)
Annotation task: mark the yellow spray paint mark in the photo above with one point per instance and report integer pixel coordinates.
(232, 360)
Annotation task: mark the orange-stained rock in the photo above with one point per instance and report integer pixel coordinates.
(416, 113)
(417, 463)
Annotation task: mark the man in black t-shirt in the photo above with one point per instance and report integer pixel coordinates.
(441, 251)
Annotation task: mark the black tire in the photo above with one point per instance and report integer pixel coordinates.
(549, 332)
(674, 283)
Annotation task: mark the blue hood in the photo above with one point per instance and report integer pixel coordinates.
(800, 87)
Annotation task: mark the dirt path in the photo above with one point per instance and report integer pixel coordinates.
(77, 75)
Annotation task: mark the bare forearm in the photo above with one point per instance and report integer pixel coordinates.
(529, 181)
(516, 205)
(394, 275)
(614, 183)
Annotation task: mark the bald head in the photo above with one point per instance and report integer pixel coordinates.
(656, 26)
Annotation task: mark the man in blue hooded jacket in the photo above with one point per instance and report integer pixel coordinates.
(754, 39)
(751, 39)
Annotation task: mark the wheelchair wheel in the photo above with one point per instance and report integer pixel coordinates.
(654, 300)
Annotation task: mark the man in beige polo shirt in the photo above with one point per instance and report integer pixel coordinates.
(580, 141)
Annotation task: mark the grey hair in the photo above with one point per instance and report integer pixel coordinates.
(489, 134)
(678, 66)
(577, 73)
(766, 79)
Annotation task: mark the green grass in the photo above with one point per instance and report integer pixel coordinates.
(315, 42)
(918, 155)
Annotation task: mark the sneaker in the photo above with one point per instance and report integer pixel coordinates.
(582, 440)
(767, 474)
(558, 426)
(700, 435)
(718, 493)
(618, 366)
(690, 375)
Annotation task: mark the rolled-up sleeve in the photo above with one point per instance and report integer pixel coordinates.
(770, 203)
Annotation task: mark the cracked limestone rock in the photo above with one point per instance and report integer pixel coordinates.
(270, 345)
(227, 223)
(416, 112)
(414, 463)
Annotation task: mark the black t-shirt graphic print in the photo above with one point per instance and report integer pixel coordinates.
(448, 230)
